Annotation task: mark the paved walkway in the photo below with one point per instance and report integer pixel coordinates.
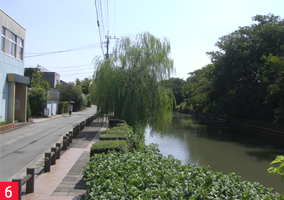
(64, 181)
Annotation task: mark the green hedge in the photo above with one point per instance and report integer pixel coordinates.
(146, 174)
(4, 123)
(114, 136)
(109, 145)
(63, 107)
(114, 130)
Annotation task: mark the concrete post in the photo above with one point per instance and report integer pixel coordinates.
(47, 162)
(30, 182)
(58, 145)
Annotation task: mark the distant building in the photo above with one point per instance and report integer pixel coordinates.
(52, 102)
(52, 78)
(13, 83)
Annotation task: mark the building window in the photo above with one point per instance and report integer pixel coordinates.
(3, 39)
(12, 45)
(21, 52)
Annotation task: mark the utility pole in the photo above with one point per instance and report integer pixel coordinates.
(107, 56)
(107, 44)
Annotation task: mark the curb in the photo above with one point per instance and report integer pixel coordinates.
(38, 162)
(16, 127)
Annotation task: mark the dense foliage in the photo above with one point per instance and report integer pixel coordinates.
(36, 96)
(37, 99)
(197, 88)
(63, 107)
(4, 123)
(146, 174)
(182, 108)
(71, 92)
(114, 136)
(277, 170)
(128, 83)
(84, 85)
(245, 78)
(176, 85)
(37, 78)
(109, 145)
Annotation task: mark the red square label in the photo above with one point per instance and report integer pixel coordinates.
(9, 190)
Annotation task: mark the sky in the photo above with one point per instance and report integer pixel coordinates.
(66, 35)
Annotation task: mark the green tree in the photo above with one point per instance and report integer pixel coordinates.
(129, 82)
(29, 72)
(37, 100)
(239, 89)
(37, 78)
(271, 74)
(176, 85)
(197, 88)
(71, 92)
(84, 85)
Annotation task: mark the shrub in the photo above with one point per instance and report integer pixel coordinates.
(109, 145)
(114, 136)
(135, 138)
(146, 174)
(63, 107)
(37, 100)
(4, 123)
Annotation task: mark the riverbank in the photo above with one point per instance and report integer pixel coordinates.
(278, 129)
(145, 173)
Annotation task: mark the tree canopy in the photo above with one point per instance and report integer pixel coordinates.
(198, 88)
(176, 85)
(71, 92)
(247, 79)
(36, 78)
(129, 82)
(84, 85)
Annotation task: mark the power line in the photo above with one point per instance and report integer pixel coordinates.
(102, 17)
(98, 23)
(75, 74)
(75, 70)
(56, 67)
(62, 51)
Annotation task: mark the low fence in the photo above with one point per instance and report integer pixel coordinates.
(244, 122)
(50, 157)
(29, 180)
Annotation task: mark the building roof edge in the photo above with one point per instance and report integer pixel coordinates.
(12, 19)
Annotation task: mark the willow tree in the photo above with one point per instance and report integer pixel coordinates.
(128, 83)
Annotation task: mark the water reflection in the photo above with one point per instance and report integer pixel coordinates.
(227, 148)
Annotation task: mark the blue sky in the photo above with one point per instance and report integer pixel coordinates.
(192, 27)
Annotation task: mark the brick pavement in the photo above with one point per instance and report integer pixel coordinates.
(64, 181)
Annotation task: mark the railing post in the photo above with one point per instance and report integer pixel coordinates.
(53, 157)
(19, 187)
(58, 145)
(78, 129)
(74, 132)
(68, 139)
(47, 162)
(64, 143)
(30, 182)
(71, 136)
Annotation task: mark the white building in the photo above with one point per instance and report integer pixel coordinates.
(13, 83)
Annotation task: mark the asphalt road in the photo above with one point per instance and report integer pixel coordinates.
(20, 147)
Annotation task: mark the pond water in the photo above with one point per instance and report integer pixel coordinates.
(225, 147)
